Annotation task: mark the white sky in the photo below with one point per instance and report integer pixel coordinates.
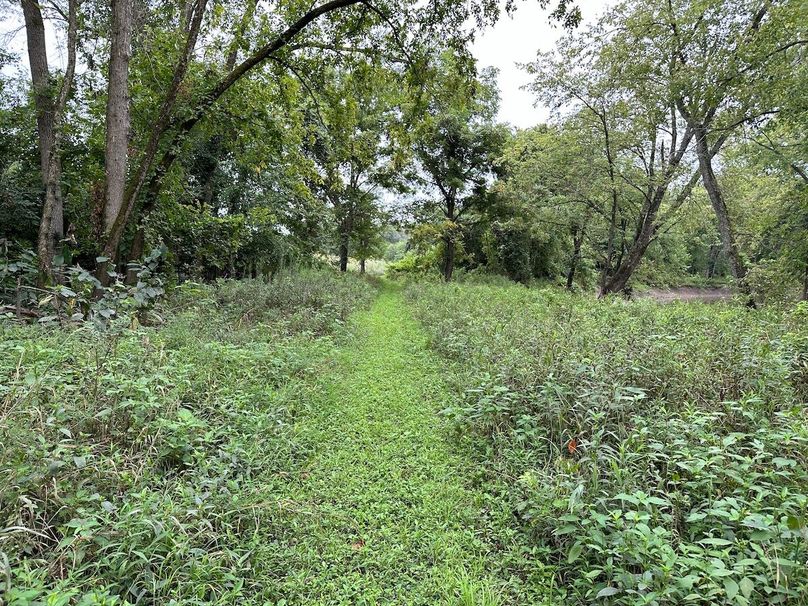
(515, 40)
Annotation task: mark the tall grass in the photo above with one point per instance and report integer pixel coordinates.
(137, 464)
(648, 454)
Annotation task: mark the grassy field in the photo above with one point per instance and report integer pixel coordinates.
(321, 440)
(145, 466)
(383, 512)
(650, 454)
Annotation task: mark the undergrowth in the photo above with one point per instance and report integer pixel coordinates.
(642, 453)
(136, 464)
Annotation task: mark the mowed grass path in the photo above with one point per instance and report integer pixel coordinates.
(383, 513)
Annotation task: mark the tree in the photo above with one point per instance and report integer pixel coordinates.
(633, 122)
(51, 105)
(117, 116)
(554, 180)
(722, 51)
(355, 147)
(369, 224)
(456, 145)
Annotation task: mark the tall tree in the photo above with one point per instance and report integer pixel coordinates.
(555, 179)
(356, 149)
(631, 114)
(456, 145)
(716, 47)
(51, 102)
(117, 116)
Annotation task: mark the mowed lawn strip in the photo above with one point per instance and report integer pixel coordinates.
(384, 513)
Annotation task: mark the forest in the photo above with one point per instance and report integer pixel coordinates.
(293, 312)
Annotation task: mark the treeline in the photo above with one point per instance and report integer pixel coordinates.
(676, 153)
(245, 137)
(240, 134)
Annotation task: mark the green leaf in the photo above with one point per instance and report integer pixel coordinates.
(731, 587)
(575, 552)
(747, 586)
(718, 542)
(608, 591)
(794, 523)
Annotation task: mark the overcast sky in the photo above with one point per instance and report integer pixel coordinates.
(515, 40)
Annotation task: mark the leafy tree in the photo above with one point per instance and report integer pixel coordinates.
(554, 185)
(367, 237)
(456, 146)
(657, 80)
(356, 148)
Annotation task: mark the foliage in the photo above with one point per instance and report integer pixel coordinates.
(649, 454)
(456, 145)
(385, 499)
(137, 463)
(79, 296)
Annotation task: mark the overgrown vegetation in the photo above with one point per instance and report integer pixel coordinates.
(138, 465)
(649, 454)
(190, 411)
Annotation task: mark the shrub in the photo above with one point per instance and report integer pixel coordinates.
(132, 458)
(648, 454)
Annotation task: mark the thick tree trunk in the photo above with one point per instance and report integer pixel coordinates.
(51, 226)
(117, 118)
(449, 251)
(710, 183)
(343, 254)
(619, 280)
(117, 139)
(362, 263)
(40, 79)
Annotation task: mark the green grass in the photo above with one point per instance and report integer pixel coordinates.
(261, 446)
(321, 441)
(641, 453)
(383, 512)
(140, 466)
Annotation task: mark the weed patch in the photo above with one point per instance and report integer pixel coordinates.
(136, 463)
(646, 454)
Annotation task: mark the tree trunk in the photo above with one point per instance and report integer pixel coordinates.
(449, 252)
(619, 280)
(51, 226)
(805, 283)
(710, 182)
(577, 241)
(117, 117)
(361, 266)
(343, 254)
(712, 259)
